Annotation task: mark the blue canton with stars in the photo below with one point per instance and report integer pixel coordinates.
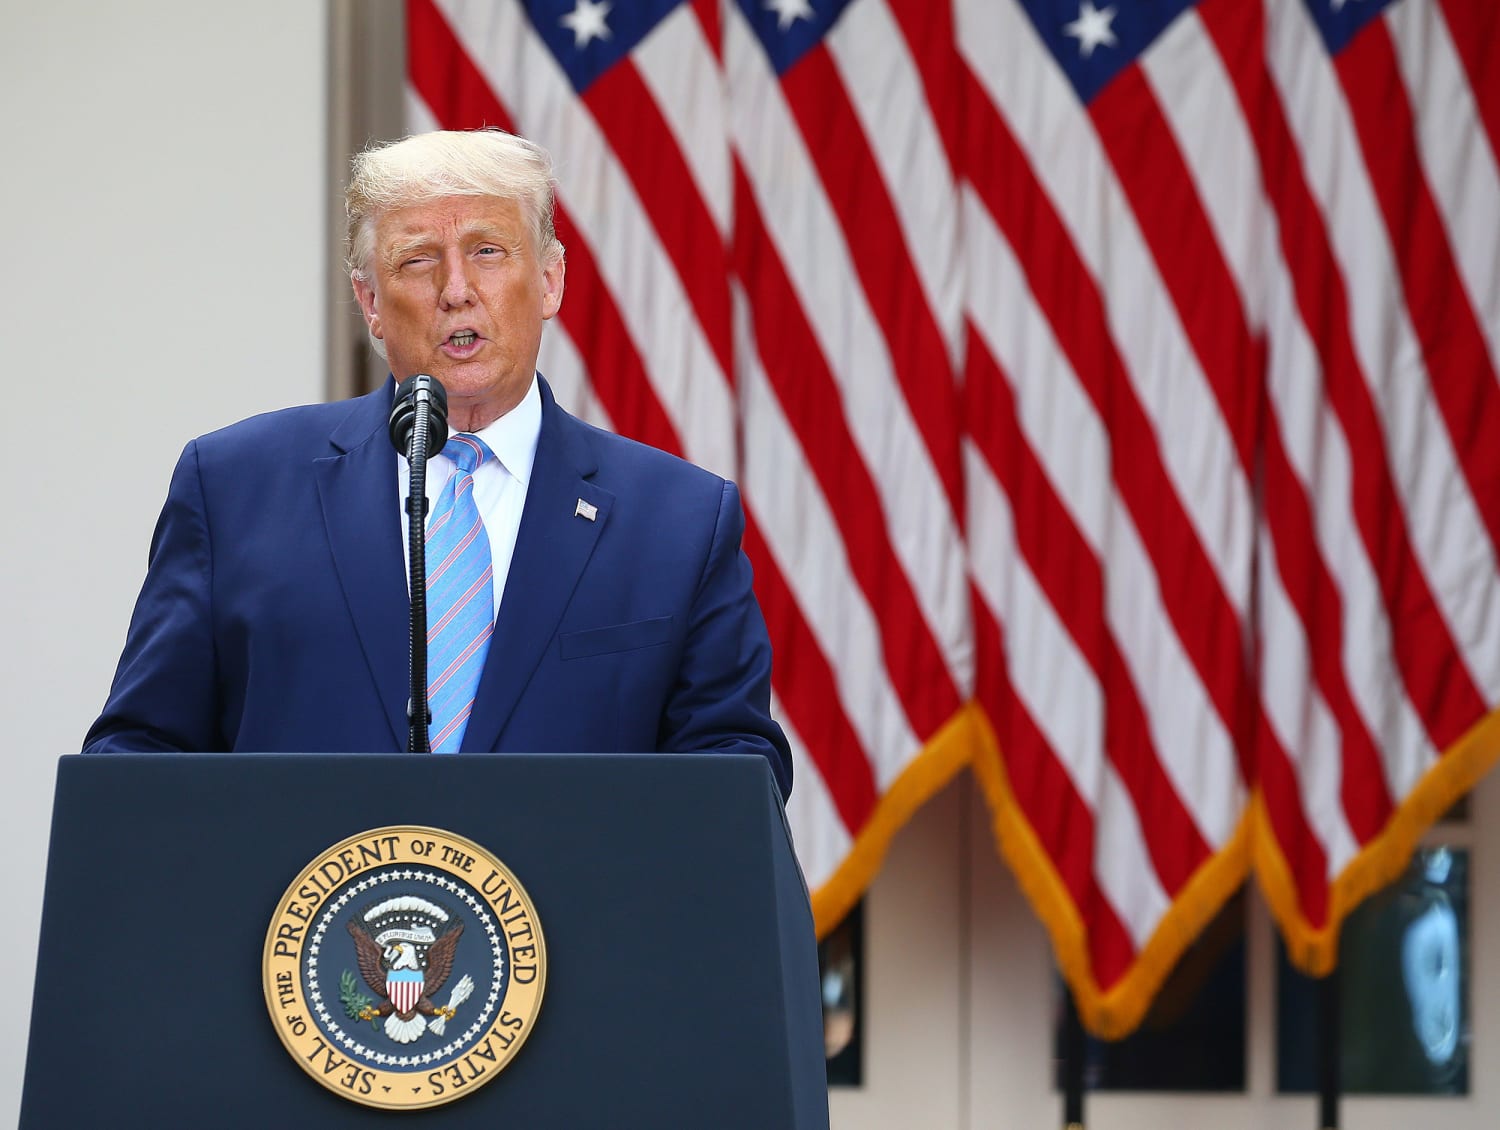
(589, 36)
(1341, 20)
(585, 55)
(785, 37)
(1094, 40)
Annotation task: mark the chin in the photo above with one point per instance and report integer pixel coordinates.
(471, 377)
(466, 393)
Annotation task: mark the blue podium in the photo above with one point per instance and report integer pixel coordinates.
(681, 983)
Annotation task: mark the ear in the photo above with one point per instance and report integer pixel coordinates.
(369, 305)
(552, 287)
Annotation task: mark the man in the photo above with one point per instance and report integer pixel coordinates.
(274, 614)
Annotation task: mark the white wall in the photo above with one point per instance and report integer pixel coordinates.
(162, 225)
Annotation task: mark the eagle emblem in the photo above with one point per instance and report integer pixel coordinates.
(405, 947)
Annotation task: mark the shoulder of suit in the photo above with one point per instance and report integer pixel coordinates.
(284, 428)
(621, 455)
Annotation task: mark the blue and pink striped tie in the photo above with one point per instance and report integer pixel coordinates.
(460, 597)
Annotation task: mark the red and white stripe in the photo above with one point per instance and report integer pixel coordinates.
(1165, 429)
(404, 994)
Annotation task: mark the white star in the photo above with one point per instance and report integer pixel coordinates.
(1338, 5)
(789, 12)
(1091, 28)
(586, 21)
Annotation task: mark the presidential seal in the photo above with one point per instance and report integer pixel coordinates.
(404, 967)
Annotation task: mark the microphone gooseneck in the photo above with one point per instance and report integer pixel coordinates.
(418, 427)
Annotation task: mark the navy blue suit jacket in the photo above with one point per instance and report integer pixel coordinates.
(274, 616)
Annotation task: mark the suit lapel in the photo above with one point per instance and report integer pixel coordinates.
(552, 548)
(357, 488)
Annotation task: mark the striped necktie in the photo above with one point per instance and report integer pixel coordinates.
(460, 597)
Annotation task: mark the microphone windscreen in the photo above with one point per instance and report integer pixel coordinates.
(411, 392)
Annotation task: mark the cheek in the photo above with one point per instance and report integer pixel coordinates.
(396, 317)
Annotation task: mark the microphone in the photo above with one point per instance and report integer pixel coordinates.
(418, 426)
(424, 391)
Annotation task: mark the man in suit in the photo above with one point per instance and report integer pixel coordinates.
(274, 613)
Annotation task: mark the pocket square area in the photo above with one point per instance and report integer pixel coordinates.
(615, 637)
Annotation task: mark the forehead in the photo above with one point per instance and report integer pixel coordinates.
(448, 217)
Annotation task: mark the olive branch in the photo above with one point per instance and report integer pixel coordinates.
(354, 1001)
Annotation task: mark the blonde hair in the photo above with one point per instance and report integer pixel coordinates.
(426, 166)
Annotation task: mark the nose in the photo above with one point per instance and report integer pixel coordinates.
(458, 288)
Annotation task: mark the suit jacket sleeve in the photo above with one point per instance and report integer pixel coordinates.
(164, 694)
(721, 701)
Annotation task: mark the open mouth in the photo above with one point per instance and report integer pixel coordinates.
(463, 338)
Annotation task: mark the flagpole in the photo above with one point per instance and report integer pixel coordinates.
(1329, 1050)
(1074, 1051)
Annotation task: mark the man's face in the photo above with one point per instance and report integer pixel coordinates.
(456, 291)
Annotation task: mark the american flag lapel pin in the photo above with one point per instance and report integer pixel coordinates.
(586, 509)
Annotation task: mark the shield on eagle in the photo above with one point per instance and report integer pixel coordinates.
(404, 987)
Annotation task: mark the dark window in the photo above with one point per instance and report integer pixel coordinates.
(841, 974)
(1193, 1038)
(1404, 989)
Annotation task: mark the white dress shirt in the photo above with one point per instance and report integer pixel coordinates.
(499, 484)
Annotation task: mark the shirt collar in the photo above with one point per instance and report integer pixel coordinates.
(513, 437)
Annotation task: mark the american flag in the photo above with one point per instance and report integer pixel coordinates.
(1113, 392)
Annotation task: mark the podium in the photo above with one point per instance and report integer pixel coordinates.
(681, 977)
